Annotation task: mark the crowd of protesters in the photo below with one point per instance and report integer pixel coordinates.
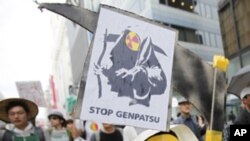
(20, 114)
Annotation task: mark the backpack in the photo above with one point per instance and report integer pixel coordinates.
(68, 132)
(8, 135)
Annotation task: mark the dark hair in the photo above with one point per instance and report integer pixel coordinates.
(17, 103)
(56, 117)
(69, 121)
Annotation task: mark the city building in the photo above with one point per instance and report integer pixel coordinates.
(196, 20)
(234, 22)
(235, 30)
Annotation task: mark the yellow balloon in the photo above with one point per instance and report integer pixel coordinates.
(163, 137)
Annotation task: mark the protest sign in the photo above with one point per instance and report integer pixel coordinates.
(130, 71)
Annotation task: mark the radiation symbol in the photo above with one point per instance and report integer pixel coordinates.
(163, 137)
(132, 41)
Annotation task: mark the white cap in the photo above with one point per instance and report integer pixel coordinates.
(244, 92)
(182, 100)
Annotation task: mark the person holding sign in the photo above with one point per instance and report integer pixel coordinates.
(20, 113)
(75, 132)
(108, 133)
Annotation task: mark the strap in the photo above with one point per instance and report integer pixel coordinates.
(2, 132)
(40, 133)
(7, 136)
(97, 136)
(70, 135)
(49, 131)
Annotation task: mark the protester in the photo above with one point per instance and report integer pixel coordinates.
(244, 114)
(108, 133)
(59, 132)
(76, 133)
(243, 118)
(186, 117)
(20, 113)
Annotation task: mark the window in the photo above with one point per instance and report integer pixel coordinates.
(163, 2)
(188, 35)
(187, 5)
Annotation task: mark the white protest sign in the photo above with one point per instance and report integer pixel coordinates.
(31, 90)
(130, 72)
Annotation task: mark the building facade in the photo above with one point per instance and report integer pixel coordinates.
(68, 55)
(196, 20)
(234, 22)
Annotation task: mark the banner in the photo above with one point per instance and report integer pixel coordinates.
(31, 90)
(130, 71)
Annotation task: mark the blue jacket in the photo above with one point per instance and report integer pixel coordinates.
(190, 122)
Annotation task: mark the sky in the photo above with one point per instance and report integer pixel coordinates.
(26, 41)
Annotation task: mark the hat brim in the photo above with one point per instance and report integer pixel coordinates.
(33, 109)
(62, 118)
(182, 102)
